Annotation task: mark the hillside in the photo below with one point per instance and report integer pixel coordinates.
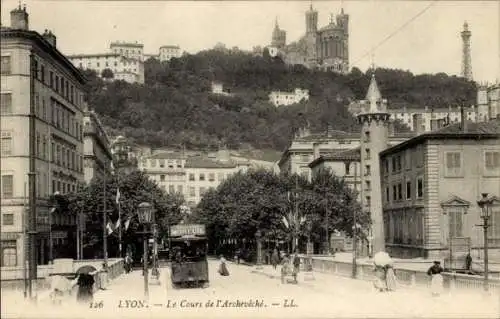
(175, 105)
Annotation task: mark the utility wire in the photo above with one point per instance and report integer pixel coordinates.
(404, 25)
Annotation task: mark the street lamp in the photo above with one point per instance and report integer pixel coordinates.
(144, 213)
(258, 237)
(485, 204)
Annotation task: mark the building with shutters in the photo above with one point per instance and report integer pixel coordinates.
(40, 83)
(430, 188)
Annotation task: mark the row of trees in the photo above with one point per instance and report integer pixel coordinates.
(262, 200)
(175, 105)
(134, 188)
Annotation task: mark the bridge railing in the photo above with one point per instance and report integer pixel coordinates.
(406, 277)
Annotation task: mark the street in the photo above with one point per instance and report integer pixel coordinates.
(248, 294)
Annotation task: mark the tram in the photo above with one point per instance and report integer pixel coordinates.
(188, 248)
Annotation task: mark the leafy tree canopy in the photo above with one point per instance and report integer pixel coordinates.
(134, 188)
(259, 200)
(175, 105)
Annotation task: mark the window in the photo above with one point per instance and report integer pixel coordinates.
(398, 162)
(42, 74)
(179, 189)
(9, 253)
(367, 153)
(394, 193)
(408, 189)
(6, 67)
(492, 160)
(494, 230)
(202, 190)
(6, 143)
(420, 187)
(387, 194)
(400, 191)
(51, 79)
(6, 103)
(171, 189)
(367, 136)
(7, 186)
(153, 163)
(8, 219)
(456, 223)
(386, 166)
(192, 191)
(162, 178)
(367, 170)
(211, 177)
(220, 177)
(305, 158)
(453, 164)
(191, 177)
(368, 185)
(202, 177)
(368, 200)
(162, 163)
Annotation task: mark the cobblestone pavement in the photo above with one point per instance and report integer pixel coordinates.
(251, 293)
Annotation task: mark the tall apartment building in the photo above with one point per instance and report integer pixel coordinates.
(168, 52)
(125, 60)
(40, 87)
(97, 153)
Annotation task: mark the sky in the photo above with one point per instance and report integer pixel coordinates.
(431, 43)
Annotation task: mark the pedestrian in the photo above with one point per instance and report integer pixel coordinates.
(285, 267)
(468, 264)
(390, 278)
(85, 292)
(379, 282)
(437, 279)
(296, 266)
(223, 267)
(275, 259)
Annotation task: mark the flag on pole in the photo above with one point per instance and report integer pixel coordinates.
(110, 229)
(127, 223)
(118, 224)
(53, 209)
(285, 222)
(118, 195)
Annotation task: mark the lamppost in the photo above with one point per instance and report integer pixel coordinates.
(258, 237)
(485, 204)
(145, 212)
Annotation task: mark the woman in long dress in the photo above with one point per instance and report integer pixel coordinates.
(390, 278)
(437, 279)
(222, 267)
(380, 279)
(85, 292)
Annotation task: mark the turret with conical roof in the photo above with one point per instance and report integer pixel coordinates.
(374, 139)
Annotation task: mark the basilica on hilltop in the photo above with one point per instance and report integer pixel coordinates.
(325, 48)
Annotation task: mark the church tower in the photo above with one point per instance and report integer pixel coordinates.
(279, 36)
(466, 58)
(311, 21)
(374, 138)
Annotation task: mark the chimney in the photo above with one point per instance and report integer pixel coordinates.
(19, 18)
(49, 37)
(316, 153)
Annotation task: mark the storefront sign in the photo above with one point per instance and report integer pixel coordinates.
(185, 230)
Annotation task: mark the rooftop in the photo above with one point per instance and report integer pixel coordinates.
(205, 162)
(45, 46)
(338, 155)
(473, 130)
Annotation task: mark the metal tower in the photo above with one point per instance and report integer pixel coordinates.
(466, 58)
